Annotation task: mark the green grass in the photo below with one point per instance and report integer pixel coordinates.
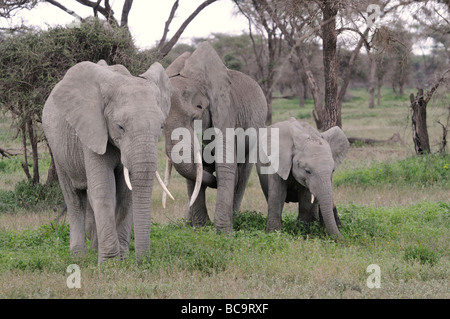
(417, 171)
(408, 243)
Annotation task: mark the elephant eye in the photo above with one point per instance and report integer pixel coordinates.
(120, 127)
(199, 107)
(307, 171)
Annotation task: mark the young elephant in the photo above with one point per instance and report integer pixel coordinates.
(306, 162)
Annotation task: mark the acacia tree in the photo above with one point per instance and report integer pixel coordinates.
(32, 62)
(104, 8)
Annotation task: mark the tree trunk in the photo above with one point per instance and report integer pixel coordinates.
(52, 175)
(329, 37)
(299, 82)
(24, 149)
(269, 108)
(34, 149)
(379, 93)
(372, 80)
(313, 88)
(419, 123)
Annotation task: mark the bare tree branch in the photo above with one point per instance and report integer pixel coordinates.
(433, 89)
(59, 5)
(125, 12)
(106, 11)
(169, 45)
(8, 7)
(166, 26)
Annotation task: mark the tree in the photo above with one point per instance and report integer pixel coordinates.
(105, 9)
(419, 117)
(32, 63)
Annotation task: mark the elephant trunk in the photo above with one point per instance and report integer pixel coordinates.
(324, 195)
(142, 171)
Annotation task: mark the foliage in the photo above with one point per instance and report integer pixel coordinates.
(32, 63)
(421, 253)
(31, 197)
(419, 171)
(368, 230)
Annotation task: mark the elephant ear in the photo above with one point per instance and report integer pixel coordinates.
(79, 97)
(205, 66)
(102, 62)
(119, 68)
(177, 65)
(285, 147)
(157, 75)
(339, 144)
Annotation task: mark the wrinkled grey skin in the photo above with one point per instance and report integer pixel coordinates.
(306, 163)
(204, 89)
(99, 119)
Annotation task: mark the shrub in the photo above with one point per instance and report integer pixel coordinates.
(422, 254)
(32, 63)
(31, 197)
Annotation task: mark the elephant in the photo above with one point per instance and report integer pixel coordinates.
(306, 162)
(102, 125)
(206, 91)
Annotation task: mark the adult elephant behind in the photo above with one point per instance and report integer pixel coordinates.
(102, 126)
(205, 90)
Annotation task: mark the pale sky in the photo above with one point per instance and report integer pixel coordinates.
(147, 18)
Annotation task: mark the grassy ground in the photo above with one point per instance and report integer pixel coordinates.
(394, 208)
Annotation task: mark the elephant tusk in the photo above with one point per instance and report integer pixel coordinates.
(160, 181)
(199, 174)
(166, 179)
(312, 198)
(126, 174)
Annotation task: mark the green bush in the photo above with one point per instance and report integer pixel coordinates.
(32, 63)
(418, 171)
(31, 197)
(422, 254)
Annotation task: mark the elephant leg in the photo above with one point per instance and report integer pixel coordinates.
(276, 197)
(76, 202)
(243, 174)
(91, 229)
(197, 214)
(124, 216)
(223, 217)
(102, 197)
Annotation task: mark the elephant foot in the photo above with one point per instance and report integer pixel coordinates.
(273, 226)
(78, 251)
(198, 222)
(197, 217)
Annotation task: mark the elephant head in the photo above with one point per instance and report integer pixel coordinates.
(108, 108)
(310, 158)
(201, 91)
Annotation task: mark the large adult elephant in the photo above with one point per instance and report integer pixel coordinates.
(303, 174)
(204, 89)
(102, 125)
